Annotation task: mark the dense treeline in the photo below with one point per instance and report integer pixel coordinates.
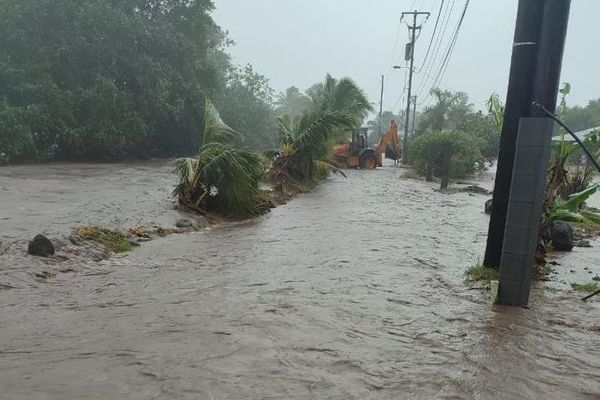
(580, 118)
(109, 79)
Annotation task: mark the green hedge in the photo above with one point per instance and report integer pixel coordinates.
(464, 150)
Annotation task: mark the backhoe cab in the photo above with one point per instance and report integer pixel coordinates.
(356, 153)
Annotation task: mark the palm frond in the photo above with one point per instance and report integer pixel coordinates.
(222, 178)
(327, 167)
(215, 130)
(317, 128)
(340, 95)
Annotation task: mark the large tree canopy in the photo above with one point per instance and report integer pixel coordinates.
(105, 79)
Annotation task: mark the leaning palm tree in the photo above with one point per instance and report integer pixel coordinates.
(222, 178)
(340, 95)
(306, 143)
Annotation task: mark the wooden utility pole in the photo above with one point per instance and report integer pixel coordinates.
(410, 56)
(518, 104)
(379, 132)
(414, 117)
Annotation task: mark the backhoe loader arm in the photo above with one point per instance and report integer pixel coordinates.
(391, 136)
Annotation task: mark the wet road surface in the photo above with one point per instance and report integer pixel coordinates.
(354, 291)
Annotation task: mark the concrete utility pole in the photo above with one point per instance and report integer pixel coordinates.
(533, 152)
(518, 104)
(410, 56)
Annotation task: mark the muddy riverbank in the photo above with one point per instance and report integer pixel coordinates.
(353, 291)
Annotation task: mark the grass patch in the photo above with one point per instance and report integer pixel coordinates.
(591, 287)
(114, 241)
(479, 273)
(543, 272)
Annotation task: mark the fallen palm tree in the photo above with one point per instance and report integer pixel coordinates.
(222, 178)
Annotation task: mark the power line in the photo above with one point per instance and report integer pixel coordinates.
(402, 96)
(437, 21)
(444, 66)
(436, 48)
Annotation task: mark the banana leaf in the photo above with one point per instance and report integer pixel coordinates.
(592, 217)
(576, 200)
(566, 215)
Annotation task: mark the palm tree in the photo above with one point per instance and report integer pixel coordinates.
(222, 178)
(292, 102)
(340, 95)
(306, 143)
(449, 109)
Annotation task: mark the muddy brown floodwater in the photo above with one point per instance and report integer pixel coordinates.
(354, 291)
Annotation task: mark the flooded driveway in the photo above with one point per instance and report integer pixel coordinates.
(354, 291)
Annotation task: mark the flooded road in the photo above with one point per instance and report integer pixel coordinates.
(354, 291)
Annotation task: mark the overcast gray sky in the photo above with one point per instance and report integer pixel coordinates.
(296, 42)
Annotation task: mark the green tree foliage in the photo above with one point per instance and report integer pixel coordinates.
(580, 118)
(107, 79)
(429, 149)
(306, 140)
(305, 147)
(340, 95)
(222, 178)
(246, 104)
(485, 129)
(447, 112)
(292, 102)
(453, 111)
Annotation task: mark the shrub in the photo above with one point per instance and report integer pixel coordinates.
(463, 149)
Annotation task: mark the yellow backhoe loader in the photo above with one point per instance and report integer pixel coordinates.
(356, 154)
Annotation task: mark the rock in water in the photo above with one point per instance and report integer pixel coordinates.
(561, 234)
(488, 206)
(475, 189)
(184, 223)
(40, 246)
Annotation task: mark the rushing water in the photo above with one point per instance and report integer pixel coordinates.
(354, 291)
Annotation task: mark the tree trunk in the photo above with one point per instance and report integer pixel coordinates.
(429, 172)
(445, 169)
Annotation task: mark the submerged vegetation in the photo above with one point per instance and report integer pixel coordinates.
(115, 241)
(480, 273)
(590, 287)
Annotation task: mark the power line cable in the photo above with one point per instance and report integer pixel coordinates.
(444, 66)
(436, 48)
(437, 21)
(403, 94)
